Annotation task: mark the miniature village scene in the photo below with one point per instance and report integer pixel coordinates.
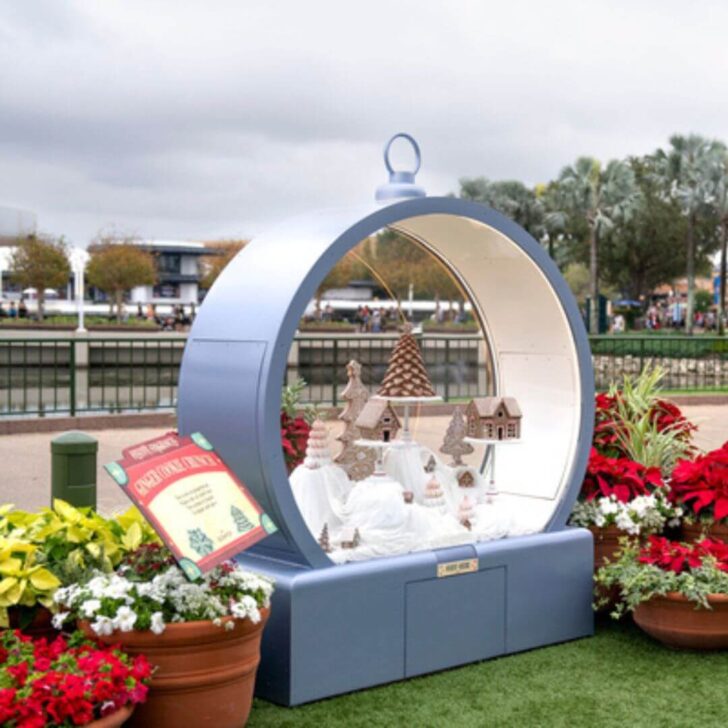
(373, 490)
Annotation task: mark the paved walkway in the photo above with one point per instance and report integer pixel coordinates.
(25, 460)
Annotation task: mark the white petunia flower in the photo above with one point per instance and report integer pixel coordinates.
(157, 626)
(90, 607)
(103, 626)
(125, 619)
(59, 619)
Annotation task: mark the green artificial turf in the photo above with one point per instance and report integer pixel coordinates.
(620, 677)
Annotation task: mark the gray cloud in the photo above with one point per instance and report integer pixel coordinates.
(197, 119)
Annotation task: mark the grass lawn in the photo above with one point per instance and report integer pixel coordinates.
(620, 677)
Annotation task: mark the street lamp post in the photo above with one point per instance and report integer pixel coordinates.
(79, 298)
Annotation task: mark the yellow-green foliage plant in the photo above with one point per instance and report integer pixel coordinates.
(42, 551)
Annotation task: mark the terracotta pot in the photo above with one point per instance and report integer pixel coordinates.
(114, 720)
(675, 621)
(692, 532)
(38, 623)
(204, 672)
(606, 546)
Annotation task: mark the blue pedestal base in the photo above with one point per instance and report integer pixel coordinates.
(344, 628)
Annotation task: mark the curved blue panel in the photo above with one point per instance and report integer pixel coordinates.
(236, 357)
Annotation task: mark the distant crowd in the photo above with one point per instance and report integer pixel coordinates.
(19, 311)
(178, 320)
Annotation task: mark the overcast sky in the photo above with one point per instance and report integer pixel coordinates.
(184, 119)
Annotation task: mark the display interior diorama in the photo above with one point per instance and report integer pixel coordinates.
(395, 556)
(385, 493)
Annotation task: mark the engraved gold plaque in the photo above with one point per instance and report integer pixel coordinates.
(454, 568)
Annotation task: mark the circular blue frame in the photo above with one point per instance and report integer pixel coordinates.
(234, 365)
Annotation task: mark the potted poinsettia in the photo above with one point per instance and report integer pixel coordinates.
(620, 497)
(700, 485)
(203, 636)
(638, 437)
(68, 683)
(677, 592)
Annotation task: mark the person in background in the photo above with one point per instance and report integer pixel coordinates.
(3, 312)
(376, 322)
(151, 316)
(12, 310)
(140, 313)
(22, 310)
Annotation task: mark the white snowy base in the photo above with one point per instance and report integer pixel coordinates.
(388, 526)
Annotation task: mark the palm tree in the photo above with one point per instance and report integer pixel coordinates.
(598, 196)
(719, 183)
(687, 167)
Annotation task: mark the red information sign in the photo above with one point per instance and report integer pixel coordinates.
(194, 502)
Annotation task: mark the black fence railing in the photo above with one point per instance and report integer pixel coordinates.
(69, 376)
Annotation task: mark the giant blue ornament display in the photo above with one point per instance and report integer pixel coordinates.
(337, 628)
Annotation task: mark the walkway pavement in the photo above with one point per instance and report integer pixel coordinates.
(25, 461)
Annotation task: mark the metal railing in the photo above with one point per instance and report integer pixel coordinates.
(72, 376)
(457, 364)
(691, 363)
(69, 376)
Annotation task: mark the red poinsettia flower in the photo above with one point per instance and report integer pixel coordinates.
(621, 477)
(679, 557)
(294, 438)
(702, 483)
(607, 428)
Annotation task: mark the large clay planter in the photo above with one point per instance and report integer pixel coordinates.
(205, 674)
(606, 544)
(675, 621)
(693, 532)
(40, 624)
(114, 720)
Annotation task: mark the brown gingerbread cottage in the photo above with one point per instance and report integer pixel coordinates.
(378, 421)
(494, 418)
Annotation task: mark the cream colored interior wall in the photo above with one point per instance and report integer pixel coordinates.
(534, 353)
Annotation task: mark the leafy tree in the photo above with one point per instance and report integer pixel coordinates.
(686, 165)
(600, 197)
(703, 300)
(510, 197)
(116, 267)
(40, 263)
(212, 265)
(646, 249)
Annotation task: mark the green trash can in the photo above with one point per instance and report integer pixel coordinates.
(73, 468)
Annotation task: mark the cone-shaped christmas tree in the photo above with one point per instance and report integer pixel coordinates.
(358, 462)
(323, 539)
(242, 522)
(434, 497)
(406, 375)
(317, 447)
(454, 443)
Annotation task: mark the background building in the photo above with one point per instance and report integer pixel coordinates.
(178, 272)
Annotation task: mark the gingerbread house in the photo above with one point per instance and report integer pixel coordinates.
(378, 421)
(466, 479)
(494, 418)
